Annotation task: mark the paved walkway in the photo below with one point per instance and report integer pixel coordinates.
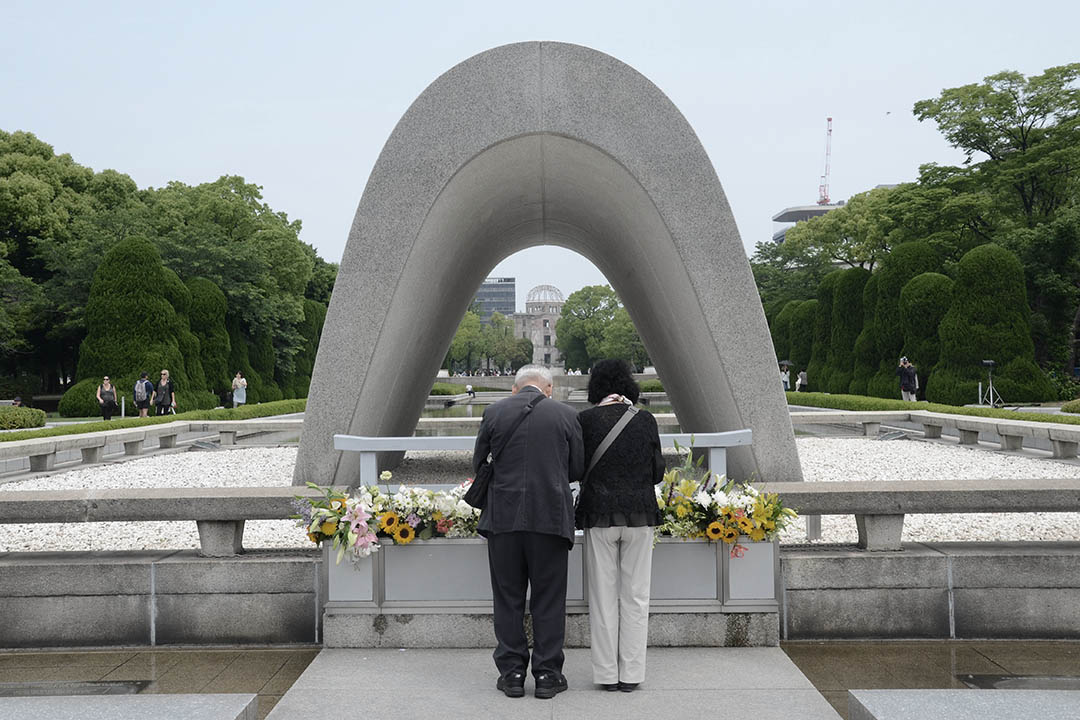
(759, 683)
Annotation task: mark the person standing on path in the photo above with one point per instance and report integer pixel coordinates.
(802, 383)
(239, 390)
(164, 398)
(144, 390)
(618, 512)
(909, 380)
(106, 397)
(528, 521)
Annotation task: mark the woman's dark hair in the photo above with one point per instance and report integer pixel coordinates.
(612, 376)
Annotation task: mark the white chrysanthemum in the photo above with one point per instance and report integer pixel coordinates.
(703, 499)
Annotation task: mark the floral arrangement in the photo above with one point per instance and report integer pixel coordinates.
(698, 504)
(354, 524)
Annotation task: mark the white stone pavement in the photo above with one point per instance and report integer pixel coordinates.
(759, 683)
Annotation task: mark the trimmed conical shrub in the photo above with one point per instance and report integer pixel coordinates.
(987, 320)
(821, 354)
(847, 322)
(901, 265)
(923, 303)
(780, 329)
(802, 339)
(207, 317)
(866, 357)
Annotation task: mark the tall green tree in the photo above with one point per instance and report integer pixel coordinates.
(207, 315)
(622, 342)
(847, 323)
(580, 328)
(467, 344)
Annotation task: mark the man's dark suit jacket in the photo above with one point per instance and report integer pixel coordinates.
(530, 489)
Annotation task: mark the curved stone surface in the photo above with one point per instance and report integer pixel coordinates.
(544, 143)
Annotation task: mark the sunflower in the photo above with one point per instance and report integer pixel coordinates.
(312, 538)
(714, 531)
(389, 521)
(757, 534)
(729, 535)
(404, 534)
(745, 524)
(329, 527)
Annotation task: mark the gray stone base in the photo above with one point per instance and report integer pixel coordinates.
(962, 704)
(132, 707)
(474, 630)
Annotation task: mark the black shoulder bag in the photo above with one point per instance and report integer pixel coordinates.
(477, 493)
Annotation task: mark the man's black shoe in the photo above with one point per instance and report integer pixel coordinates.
(627, 687)
(610, 687)
(549, 684)
(512, 684)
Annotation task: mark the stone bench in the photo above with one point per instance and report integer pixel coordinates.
(229, 430)
(219, 513)
(879, 507)
(870, 420)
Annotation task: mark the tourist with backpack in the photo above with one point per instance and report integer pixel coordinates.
(144, 389)
(164, 398)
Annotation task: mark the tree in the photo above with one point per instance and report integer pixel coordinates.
(622, 342)
(580, 329)
(781, 330)
(467, 341)
(783, 273)
(1026, 129)
(523, 353)
(857, 234)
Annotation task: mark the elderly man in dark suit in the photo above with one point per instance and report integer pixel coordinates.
(529, 525)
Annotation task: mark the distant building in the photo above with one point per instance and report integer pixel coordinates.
(790, 216)
(496, 295)
(543, 306)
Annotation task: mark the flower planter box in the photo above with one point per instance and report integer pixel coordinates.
(451, 574)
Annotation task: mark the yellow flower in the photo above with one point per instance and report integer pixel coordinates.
(769, 525)
(757, 534)
(727, 513)
(729, 534)
(329, 527)
(404, 534)
(714, 531)
(388, 521)
(745, 524)
(436, 516)
(312, 538)
(681, 510)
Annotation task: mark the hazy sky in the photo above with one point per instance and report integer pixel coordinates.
(300, 97)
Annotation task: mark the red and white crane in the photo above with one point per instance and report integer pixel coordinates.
(823, 188)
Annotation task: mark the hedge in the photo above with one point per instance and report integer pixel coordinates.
(244, 412)
(866, 358)
(14, 418)
(1073, 406)
(847, 323)
(988, 320)
(897, 269)
(923, 303)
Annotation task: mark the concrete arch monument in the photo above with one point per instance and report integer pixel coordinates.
(544, 143)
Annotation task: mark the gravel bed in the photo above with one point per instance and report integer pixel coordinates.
(823, 460)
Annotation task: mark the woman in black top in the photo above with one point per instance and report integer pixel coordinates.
(618, 511)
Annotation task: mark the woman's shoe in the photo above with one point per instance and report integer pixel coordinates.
(627, 687)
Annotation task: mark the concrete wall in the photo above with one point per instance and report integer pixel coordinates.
(945, 590)
(933, 590)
